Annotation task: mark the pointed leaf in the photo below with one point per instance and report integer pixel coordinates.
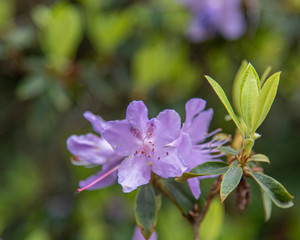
(179, 194)
(230, 181)
(221, 94)
(265, 100)
(146, 210)
(207, 168)
(259, 158)
(236, 86)
(265, 75)
(267, 202)
(249, 90)
(278, 194)
(228, 150)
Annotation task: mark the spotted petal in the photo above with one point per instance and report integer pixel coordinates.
(120, 135)
(169, 164)
(137, 114)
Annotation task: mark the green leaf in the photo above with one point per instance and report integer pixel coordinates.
(179, 194)
(207, 168)
(249, 91)
(236, 86)
(228, 150)
(6, 13)
(230, 181)
(265, 75)
(221, 94)
(259, 158)
(211, 227)
(107, 31)
(60, 31)
(267, 202)
(31, 87)
(146, 210)
(265, 100)
(278, 194)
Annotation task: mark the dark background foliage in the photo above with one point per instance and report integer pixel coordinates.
(61, 58)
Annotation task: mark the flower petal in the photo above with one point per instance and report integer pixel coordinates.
(192, 108)
(89, 148)
(166, 127)
(137, 235)
(134, 172)
(96, 121)
(199, 126)
(197, 157)
(183, 144)
(194, 185)
(233, 24)
(197, 121)
(169, 164)
(120, 135)
(137, 114)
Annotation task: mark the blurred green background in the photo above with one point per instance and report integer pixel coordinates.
(61, 58)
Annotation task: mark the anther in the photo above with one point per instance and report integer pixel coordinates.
(167, 153)
(152, 149)
(158, 158)
(149, 156)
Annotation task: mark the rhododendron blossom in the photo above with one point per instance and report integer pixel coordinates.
(132, 148)
(146, 144)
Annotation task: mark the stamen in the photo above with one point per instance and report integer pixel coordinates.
(213, 132)
(99, 179)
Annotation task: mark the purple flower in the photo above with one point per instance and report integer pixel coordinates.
(137, 235)
(146, 145)
(91, 150)
(196, 127)
(211, 16)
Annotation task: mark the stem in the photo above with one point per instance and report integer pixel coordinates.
(193, 217)
(214, 190)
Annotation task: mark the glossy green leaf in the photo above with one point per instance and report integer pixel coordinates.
(236, 86)
(259, 158)
(265, 100)
(211, 227)
(249, 90)
(228, 150)
(180, 194)
(207, 168)
(146, 210)
(230, 181)
(221, 94)
(267, 202)
(278, 194)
